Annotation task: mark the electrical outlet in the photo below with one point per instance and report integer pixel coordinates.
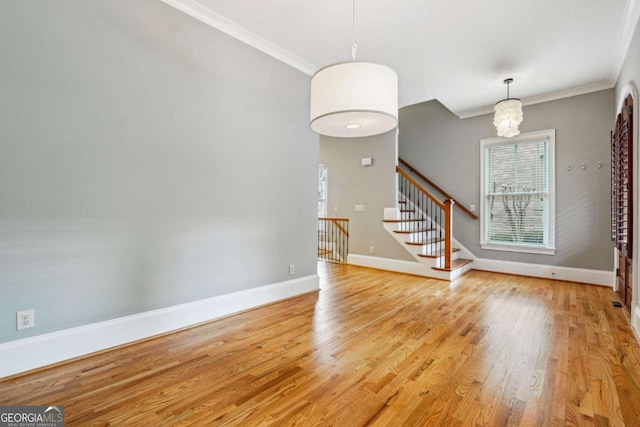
(472, 208)
(370, 249)
(292, 269)
(26, 319)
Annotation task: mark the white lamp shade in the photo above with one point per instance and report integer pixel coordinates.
(360, 95)
(508, 117)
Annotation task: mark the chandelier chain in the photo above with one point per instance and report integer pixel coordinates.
(354, 47)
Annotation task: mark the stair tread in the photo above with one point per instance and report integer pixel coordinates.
(455, 264)
(426, 242)
(437, 253)
(421, 230)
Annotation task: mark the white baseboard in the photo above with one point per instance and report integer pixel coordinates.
(397, 265)
(582, 275)
(35, 352)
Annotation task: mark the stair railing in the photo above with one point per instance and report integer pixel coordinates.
(333, 239)
(436, 187)
(428, 219)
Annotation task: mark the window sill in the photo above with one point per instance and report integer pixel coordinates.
(518, 248)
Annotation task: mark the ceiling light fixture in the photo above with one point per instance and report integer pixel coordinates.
(508, 115)
(354, 99)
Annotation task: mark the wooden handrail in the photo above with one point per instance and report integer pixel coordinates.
(420, 187)
(335, 221)
(440, 190)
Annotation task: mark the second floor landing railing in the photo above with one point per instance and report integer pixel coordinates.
(333, 239)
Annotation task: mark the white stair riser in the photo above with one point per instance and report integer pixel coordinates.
(412, 225)
(429, 248)
(454, 256)
(420, 236)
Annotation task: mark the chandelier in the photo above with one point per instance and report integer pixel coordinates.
(508, 115)
(354, 99)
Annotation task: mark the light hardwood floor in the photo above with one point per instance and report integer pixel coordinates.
(372, 348)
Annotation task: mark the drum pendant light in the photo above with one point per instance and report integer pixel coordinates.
(354, 99)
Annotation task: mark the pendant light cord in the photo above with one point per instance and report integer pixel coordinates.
(354, 47)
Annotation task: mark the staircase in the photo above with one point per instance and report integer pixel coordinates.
(422, 224)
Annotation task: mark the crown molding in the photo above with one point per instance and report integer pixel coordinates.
(197, 10)
(205, 15)
(551, 96)
(632, 15)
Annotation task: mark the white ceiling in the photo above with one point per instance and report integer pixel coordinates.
(458, 52)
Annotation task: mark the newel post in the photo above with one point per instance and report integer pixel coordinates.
(448, 220)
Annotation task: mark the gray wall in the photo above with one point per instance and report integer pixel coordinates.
(447, 150)
(630, 72)
(146, 160)
(351, 184)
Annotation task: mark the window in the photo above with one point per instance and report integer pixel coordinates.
(322, 191)
(518, 193)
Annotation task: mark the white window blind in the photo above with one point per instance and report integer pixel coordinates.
(517, 193)
(322, 191)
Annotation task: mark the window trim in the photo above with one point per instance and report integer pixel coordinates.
(550, 247)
